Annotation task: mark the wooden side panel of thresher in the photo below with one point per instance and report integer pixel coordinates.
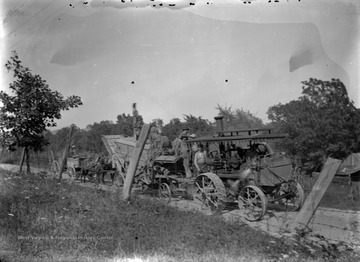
(121, 148)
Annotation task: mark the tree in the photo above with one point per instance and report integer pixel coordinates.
(233, 119)
(322, 122)
(239, 118)
(57, 140)
(125, 124)
(93, 135)
(198, 125)
(159, 123)
(173, 128)
(33, 107)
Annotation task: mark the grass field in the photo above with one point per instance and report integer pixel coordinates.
(338, 195)
(43, 220)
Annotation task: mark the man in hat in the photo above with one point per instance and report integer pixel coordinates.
(185, 155)
(200, 158)
(185, 132)
(176, 144)
(72, 152)
(156, 145)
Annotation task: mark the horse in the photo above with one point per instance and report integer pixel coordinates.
(107, 168)
(90, 169)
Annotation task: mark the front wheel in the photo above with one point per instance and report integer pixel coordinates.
(252, 202)
(165, 192)
(291, 196)
(71, 172)
(210, 191)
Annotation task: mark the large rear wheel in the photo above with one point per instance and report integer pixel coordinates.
(210, 191)
(252, 203)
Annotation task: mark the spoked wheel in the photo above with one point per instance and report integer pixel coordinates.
(206, 169)
(77, 173)
(55, 167)
(210, 191)
(71, 172)
(291, 195)
(252, 201)
(165, 192)
(98, 174)
(119, 179)
(143, 181)
(93, 178)
(173, 183)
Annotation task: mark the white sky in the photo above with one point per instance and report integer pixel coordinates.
(185, 59)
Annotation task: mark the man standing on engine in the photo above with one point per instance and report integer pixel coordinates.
(200, 158)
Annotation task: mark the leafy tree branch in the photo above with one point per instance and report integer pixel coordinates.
(30, 108)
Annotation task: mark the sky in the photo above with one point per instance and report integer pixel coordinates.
(176, 58)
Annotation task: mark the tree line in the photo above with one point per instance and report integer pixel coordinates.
(89, 138)
(322, 122)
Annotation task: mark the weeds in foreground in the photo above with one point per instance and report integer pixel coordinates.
(43, 220)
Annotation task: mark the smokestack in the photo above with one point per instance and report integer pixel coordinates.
(219, 125)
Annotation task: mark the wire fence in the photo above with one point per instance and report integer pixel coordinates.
(41, 160)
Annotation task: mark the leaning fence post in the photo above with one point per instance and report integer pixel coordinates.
(135, 158)
(313, 200)
(66, 151)
(52, 158)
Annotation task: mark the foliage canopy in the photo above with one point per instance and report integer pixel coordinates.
(32, 108)
(322, 122)
(239, 118)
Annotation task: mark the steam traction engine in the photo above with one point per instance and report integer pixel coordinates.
(243, 168)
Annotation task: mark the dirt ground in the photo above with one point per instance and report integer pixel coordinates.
(332, 225)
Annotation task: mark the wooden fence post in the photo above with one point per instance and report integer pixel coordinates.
(66, 151)
(22, 160)
(130, 174)
(313, 200)
(52, 157)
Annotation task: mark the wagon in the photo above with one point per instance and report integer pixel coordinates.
(74, 166)
(96, 169)
(71, 167)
